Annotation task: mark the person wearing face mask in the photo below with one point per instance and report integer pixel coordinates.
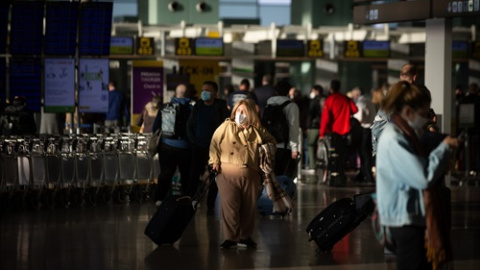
(207, 114)
(405, 174)
(234, 154)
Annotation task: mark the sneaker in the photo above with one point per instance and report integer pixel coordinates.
(248, 243)
(158, 203)
(228, 244)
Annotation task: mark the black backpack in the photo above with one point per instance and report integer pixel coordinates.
(174, 120)
(276, 122)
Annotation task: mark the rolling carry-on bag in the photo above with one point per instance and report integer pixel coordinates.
(173, 216)
(338, 219)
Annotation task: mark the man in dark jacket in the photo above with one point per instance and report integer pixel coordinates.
(207, 114)
(174, 152)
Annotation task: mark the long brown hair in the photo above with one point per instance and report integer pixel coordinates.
(252, 115)
(405, 94)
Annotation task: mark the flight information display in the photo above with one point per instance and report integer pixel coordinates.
(26, 35)
(95, 28)
(3, 26)
(26, 80)
(373, 48)
(61, 28)
(290, 48)
(209, 46)
(460, 49)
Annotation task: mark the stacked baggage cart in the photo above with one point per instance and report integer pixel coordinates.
(68, 171)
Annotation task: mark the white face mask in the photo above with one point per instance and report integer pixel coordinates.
(312, 95)
(418, 122)
(240, 118)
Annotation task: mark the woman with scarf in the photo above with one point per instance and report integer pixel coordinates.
(404, 176)
(234, 154)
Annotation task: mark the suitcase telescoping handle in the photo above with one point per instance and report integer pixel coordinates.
(202, 191)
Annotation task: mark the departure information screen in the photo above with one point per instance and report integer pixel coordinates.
(95, 28)
(26, 35)
(26, 80)
(290, 48)
(61, 28)
(209, 46)
(3, 27)
(373, 48)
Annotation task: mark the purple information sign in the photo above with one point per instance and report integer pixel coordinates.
(147, 81)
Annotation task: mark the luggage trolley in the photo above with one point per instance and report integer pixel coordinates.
(71, 192)
(17, 181)
(127, 166)
(95, 192)
(144, 169)
(82, 166)
(57, 193)
(111, 167)
(42, 193)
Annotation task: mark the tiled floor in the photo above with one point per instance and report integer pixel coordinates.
(111, 237)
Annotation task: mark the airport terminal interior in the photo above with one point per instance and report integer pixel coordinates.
(81, 197)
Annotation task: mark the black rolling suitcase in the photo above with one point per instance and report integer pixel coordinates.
(173, 216)
(338, 219)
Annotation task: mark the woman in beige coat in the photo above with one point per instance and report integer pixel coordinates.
(234, 154)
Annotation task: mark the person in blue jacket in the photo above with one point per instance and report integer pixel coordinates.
(404, 172)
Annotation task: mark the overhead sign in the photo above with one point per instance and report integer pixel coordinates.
(392, 12)
(460, 49)
(59, 85)
(61, 28)
(121, 45)
(145, 46)
(184, 46)
(352, 49)
(26, 35)
(95, 28)
(290, 48)
(378, 49)
(93, 85)
(315, 48)
(449, 8)
(209, 46)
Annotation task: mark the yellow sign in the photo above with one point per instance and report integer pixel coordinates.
(200, 71)
(315, 48)
(145, 46)
(352, 49)
(183, 46)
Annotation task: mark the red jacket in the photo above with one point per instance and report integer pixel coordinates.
(336, 114)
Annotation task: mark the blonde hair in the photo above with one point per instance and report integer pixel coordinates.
(252, 115)
(405, 94)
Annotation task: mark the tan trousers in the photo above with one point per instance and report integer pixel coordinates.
(239, 189)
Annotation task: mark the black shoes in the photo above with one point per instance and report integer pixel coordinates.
(248, 243)
(228, 244)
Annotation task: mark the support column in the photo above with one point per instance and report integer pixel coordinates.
(438, 69)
